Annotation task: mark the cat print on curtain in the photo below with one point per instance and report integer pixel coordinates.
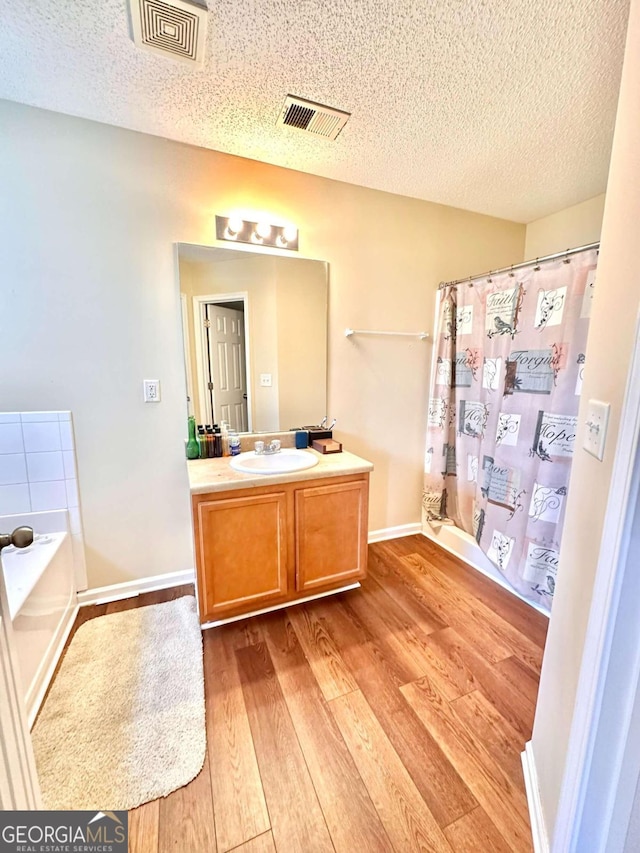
(503, 413)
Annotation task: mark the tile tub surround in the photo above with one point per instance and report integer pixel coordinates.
(216, 475)
(38, 472)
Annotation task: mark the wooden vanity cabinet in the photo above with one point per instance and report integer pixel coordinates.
(264, 546)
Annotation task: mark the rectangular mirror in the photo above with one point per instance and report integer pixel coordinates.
(255, 337)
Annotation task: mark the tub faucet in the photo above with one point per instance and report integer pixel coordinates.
(21, 537)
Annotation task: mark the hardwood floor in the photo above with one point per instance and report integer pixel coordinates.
(389, 718)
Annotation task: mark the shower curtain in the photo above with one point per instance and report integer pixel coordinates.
(503, 413)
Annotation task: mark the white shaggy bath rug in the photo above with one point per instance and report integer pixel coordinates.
(124, 720)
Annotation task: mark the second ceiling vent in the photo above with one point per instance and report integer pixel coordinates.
(311, 117)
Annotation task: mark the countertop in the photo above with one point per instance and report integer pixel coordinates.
(216, 475)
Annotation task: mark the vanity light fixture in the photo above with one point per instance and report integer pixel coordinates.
(261, 233)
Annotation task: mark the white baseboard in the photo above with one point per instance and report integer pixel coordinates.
(41, 680)
(128, 589)
(394, 532)
(538, 829)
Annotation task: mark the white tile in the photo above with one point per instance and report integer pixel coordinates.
(11, 438)
(64, 416)
(38, 417)
(14, 499)
(72, 493)
(66, 432)
(13, 468)
(40, 437)
(45, 466)
(75, 521)
(48, 495)
(9, 417)
(69, 459)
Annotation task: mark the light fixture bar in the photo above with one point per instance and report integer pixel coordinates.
(237, 230)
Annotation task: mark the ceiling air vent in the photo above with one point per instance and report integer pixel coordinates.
(311, 117)
(177, 28)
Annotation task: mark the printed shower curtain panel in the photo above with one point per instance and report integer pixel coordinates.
(503, 413)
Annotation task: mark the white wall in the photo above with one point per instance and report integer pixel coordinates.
(574, 226)
(611, 339)
(90, 307)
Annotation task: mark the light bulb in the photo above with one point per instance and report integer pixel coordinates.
(263, 230)
(235, 224)
(289, 232)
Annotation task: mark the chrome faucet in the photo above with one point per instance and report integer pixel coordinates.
(268, 450)
(21, 537)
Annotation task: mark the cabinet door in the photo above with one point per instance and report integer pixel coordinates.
(242, 553)
(331, 534)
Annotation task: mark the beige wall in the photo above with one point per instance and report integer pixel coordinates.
(90, 305)
(611, 339)
(574, 226)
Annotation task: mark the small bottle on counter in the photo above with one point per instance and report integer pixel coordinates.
(201, 442)
(234, 443)
(224, 429)
(217, 441)
(209, 437)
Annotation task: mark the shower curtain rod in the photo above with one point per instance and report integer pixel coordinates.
(521, 266)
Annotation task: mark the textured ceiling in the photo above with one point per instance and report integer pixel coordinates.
(505, 107)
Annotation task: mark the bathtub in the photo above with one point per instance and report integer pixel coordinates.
(462, 545)
(42, 599)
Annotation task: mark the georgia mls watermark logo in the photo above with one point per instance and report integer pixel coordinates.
(63, 832)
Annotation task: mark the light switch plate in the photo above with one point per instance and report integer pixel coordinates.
(596, 428)
(265, 380)
(152, 390)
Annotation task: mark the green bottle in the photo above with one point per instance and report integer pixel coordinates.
(193, 451)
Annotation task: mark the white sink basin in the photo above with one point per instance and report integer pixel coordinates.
(287, 460)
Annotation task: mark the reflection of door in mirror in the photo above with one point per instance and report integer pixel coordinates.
(285, 302)
(227, 379)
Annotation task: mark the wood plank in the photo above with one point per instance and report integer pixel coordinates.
(395, 631)
(330, 670)
(475, 833)
(223, 641)
(351, 818)
(404, 814)
(524, 618)
(472, 610)
(490, 727)
(144, 828)
(465, 615)
(504, 803)
(261, 844)
(520, 676)
(399, 586)
(409, 572)
(186, 817)
(239, 806)
(509, 701)
(297, 822)
(439, 784)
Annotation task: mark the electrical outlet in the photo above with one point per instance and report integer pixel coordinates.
(596, 428)
(265, 380)
(152, 390)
